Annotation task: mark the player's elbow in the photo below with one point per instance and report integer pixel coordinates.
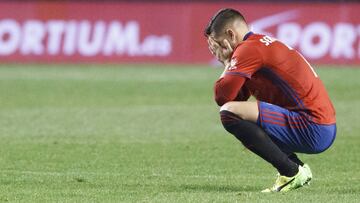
(221, 99)
(224, 93)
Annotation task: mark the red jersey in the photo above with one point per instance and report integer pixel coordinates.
(275, 73)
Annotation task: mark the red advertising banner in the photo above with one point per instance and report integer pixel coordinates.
(121, 32)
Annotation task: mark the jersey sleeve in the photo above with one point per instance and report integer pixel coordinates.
(245, 62)
(228, 89)
(244, 94)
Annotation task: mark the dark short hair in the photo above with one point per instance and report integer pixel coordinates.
(220, 19)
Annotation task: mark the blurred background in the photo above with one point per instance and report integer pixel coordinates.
(326, 32)
(112, 101)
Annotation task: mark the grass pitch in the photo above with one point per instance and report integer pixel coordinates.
(83, 133)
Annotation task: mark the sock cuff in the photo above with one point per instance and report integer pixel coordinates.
(228, 116)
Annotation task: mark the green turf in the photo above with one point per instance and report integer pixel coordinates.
(88, 133)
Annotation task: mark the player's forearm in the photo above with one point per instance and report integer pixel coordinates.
(220, 97)
(227, 88)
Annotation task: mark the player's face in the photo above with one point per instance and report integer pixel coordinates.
(229, 37)
(220, 40)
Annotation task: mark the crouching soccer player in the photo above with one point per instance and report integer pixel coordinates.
(293, 112)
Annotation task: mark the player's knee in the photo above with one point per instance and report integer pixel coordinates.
(232, 107)
(229, 106)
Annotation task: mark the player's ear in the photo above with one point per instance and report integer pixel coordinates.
(231, 34)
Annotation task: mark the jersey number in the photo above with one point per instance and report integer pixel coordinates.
(267, 40)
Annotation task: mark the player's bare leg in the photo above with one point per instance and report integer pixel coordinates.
(239, 119)
(245, 110)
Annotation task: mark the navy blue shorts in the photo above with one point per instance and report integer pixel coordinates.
(293, 132)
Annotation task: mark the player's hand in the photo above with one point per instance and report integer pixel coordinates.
(222, 53)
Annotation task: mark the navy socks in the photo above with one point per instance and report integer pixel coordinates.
(256, 140)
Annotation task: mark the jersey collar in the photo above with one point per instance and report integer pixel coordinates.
(247, 35)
